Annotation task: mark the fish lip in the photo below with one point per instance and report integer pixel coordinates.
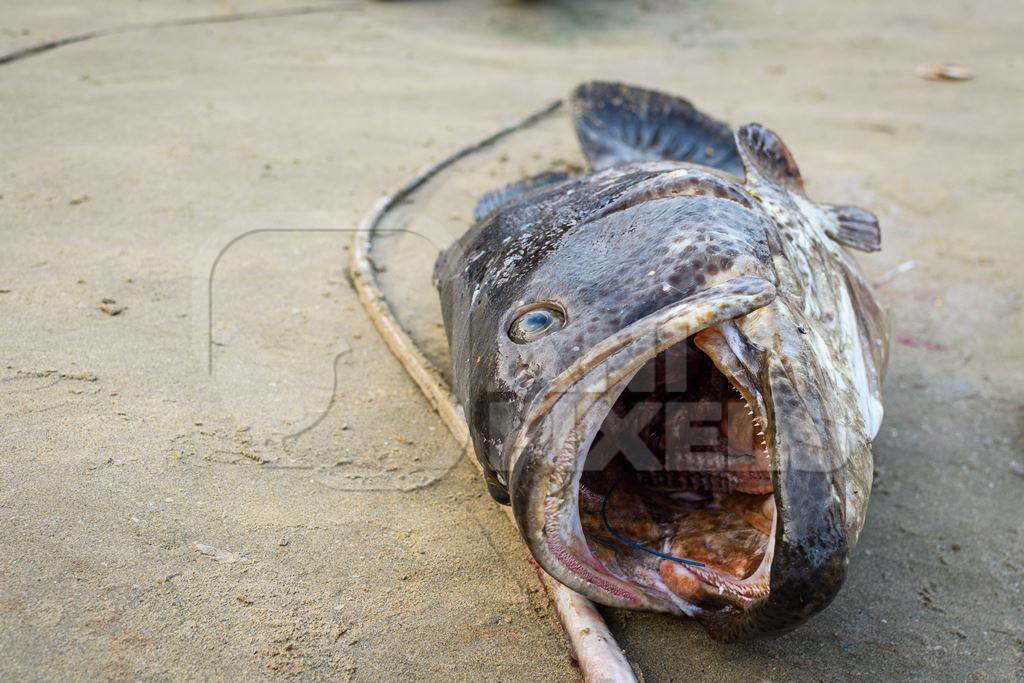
(545, 491)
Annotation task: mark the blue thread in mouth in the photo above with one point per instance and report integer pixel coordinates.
(630, 542)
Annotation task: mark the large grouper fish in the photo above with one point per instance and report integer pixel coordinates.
(671, 366)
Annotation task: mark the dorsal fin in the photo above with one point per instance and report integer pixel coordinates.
(766, 157)
(495, 199)
(618, 124)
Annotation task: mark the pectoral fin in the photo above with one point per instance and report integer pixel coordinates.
(855, 227)
(766, 159)
(618, 124)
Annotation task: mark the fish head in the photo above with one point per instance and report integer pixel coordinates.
(672, 429)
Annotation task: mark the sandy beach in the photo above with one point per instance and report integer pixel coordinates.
(213, 469)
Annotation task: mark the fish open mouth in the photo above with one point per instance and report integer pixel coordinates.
(644, 474)
(675, 496)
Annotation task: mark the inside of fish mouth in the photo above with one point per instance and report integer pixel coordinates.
(678, 476)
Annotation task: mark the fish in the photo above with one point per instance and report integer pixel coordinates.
(671, 366)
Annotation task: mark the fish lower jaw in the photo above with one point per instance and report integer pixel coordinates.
(652, 582)
(663, 585)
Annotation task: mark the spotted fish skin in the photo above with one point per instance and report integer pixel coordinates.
(604, 268)
(664, 223)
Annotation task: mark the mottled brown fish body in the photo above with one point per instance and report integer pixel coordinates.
(671, 366)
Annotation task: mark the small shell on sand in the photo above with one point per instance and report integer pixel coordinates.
(945, 72)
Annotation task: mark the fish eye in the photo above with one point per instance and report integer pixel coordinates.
(536, 322)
